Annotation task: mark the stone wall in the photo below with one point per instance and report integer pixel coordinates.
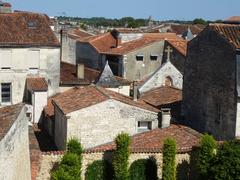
(48, 67)
(68, 49)
(136, 70)
(14, 151)
(185, 163)
(209, 88)
(109, 119)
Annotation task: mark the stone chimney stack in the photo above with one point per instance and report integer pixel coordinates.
(166, 117)
(80, 71)
(135, 91)
(5, 7)
(119, 40)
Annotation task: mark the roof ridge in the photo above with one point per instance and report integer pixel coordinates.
(106, 95)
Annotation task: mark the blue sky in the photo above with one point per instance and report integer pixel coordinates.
(158, 9)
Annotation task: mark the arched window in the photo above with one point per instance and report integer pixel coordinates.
(168, 81)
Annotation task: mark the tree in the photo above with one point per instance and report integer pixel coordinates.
(169, 159)
(226, 164)
(206, 154)
(120, 157)
(199, 21)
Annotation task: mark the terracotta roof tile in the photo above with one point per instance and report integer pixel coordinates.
(85, 96)
(181, 28)
(162, 96)
(233, 19)
(8, 115)
(179, 45)
(78, 34)
(228, 31)
(25, 28)
(152, 141)
(37, 84)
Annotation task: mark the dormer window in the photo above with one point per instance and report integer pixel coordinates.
(32, 24)
(139, 57)
(153, 57)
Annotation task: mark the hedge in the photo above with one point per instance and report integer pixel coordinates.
(99, 170)
(169, 159)
(120, 157)
(143, 169)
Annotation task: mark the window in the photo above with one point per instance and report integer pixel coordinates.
(153, 57)
(144, 126)
(6, 59)
(32, 24)
(168, 81)
(139, 57)
(6, 92)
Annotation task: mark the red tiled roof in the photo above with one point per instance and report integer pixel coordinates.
(78, 34)
(152, 141)
(85, 96)
(8, 115)
(37, 84)
(128, 30)
(230, 32)
(179, 44)
(68, 75)
(162, 96)
(147, 39)
(233, 19)
(181, 28)
(25, 28)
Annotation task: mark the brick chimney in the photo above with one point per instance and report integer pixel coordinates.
(166, 117)
(80, 71)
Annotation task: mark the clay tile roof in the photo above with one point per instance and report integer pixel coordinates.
(181, 28)
(230, 32)
(233, 19)
(81, 97)
(8, 115)
(128, 30)
(147, 39)
(37, 84)
(78, 34)
(179, 44)
(25, 28)
(162, 96)
(152, 141)
(68, 76)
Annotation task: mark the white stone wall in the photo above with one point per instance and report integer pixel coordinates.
(126, 37)
(14, 151)
(39, 100)
(68, 49)
(125, 90)
(101, 123)
(48, 67)
(159, 76)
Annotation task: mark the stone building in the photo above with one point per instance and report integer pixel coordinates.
(131, 55)
(96, 115)
(28, 48)
(14, 143)
(211, 81)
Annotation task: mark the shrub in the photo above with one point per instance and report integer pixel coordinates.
(143, 169)
(206, 154)
(73, 146)
(99, 170)
(169, 159)
(120, 157)
(226, 164)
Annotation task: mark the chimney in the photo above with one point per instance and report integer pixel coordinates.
(166, 117)
(135, 91)
(80, 71)
(118, 40)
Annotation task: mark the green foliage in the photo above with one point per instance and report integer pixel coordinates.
(143, 169)
(120, 157)
(199, 21)
(226, 164)
(169, 159)
(99, 170)
(206, 154)
(69, 168)
(73, 146)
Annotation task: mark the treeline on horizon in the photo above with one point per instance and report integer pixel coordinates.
(129, 22)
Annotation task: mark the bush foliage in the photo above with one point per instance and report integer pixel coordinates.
(99, 170)
(73, 146)
(120, 157)
(143, 169)
(169, 159)
(206, 154)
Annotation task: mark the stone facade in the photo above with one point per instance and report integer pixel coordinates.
(68, 49)
(209, 88)
(186, 163)
(22, 62)
(14, 148)
(159, 77)
(110, 118)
